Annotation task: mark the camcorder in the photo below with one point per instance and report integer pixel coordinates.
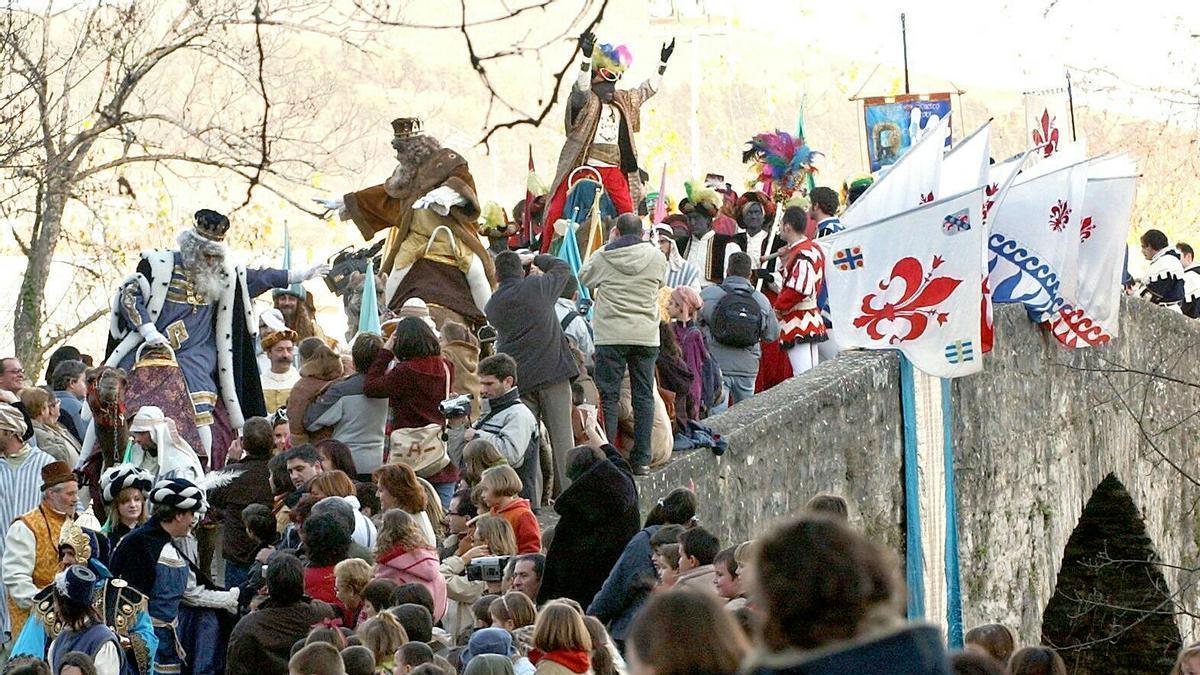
(348, 261)
(488, 568)
(458, 406)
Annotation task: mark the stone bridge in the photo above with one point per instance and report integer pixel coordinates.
(1076, 479)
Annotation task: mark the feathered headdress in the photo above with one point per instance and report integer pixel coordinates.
(702, 197)
(494, 221)
(613, 58)
(780, 161)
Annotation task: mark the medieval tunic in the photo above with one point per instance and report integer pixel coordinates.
(277, 386)
(189, 322)
(1191, 291)
(31, 557)
(1164, 282)
(803, 278)
(710, 254)
(167, 584)
(20, 478)
(588, 124)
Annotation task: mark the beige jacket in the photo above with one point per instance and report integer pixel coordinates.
(624, 282)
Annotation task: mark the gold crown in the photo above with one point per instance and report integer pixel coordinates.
(406, 127)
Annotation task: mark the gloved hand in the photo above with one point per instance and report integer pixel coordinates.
(332, 204)
(318, 270)
(151, 335)
(587, 42)
(667, 50)
(439, 200)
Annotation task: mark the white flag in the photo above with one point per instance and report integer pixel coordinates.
(965, 166)
(1104, 225)
(911, 282)
(1034, 238)
(911, 181)
(1048, 122)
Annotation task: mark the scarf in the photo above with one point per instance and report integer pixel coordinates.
(574, 660)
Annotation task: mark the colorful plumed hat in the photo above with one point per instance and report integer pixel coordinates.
(700, 197)
(781, 162)
(611, 58)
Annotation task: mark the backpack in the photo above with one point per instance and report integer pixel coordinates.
(737, 320)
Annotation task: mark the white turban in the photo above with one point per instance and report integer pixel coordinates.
(176, 459)
(12, 420)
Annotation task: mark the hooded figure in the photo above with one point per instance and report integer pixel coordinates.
(159, 450)
(679, 271)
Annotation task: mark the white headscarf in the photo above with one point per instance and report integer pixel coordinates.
(176, 459)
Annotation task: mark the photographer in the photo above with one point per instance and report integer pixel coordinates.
(506, 422)
(492, 537)
(527, 328)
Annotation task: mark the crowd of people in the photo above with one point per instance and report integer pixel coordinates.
(232, 491)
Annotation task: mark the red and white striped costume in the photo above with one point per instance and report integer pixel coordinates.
(803, 278)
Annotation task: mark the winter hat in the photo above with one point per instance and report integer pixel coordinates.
(489, 664)
(117, 478)
(489, 641)
(57, 473)
(178, 493)
(76, 583)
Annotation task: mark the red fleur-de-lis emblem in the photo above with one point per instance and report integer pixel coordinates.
(927, 197)
(989, 192)
(1060, 215)
(907, 301)
(1086, 228)
(1047, 135)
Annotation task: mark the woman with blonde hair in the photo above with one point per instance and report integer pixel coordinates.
(561, 642)
(403, 556)
(479, 455)
(338, 484)
(492, 536)
(123, 490)
(501, 487)
(383, 635)
(350, 579)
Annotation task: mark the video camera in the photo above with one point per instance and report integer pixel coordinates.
(457, 406)
(488, 568)
(348, 261)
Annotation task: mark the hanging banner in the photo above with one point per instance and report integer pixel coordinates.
(895, 123)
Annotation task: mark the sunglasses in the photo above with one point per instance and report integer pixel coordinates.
(609, 75)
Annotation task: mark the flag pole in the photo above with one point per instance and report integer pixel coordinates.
(1071, 107)
(904, 44)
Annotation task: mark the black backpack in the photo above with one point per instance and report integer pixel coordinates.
(737, 320)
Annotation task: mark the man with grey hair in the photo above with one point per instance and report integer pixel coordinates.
(20, 476)
(31, 544)
(198, 302)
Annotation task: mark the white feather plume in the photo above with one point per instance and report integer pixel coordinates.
(214, 480)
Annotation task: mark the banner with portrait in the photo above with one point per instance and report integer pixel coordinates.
(895, 123)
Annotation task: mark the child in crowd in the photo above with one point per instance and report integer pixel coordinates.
(351, 577)
(561, 643)
(377, 597)
(697, 549)
(479, 455)
(317, 659)
(501, 485)
(512, 610)
(726, 579)
(411, 655)
(403, 555)
(666, 562)
(606, 660)
(383, 635)
(358, 660)
(482, 609)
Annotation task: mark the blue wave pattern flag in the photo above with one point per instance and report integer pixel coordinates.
(1034, 239)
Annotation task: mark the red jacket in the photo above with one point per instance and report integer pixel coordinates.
(524, 525)
(319, 584)
(413, 388)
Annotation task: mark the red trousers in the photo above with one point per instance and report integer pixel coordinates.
(615, 184)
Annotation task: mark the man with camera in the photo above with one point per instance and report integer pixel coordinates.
(522, 309)
(506, 422)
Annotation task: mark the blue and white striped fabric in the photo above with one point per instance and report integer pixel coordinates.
(931, 561)
(19, 494)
